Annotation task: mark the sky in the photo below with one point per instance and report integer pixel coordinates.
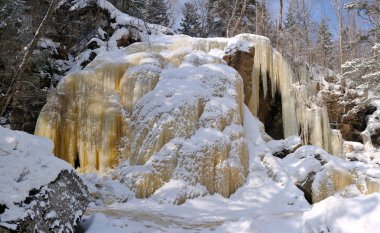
(318, 9)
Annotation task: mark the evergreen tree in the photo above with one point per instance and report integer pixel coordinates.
(290, 17)
(190, 24)
(324, 44)
(228, 18)
(156, 11)
(265, 26)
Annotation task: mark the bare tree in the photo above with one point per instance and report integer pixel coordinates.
(17, 77)
(338, 7)
(280, 19)
(279, 25)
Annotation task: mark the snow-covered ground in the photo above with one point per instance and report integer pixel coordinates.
(268, 202)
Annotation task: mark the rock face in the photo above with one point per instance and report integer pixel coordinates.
(50, 59)
(345, 115)
(371, 135)
(38, 192)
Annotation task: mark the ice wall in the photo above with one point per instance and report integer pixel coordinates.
(302, 111)
(85, 117)
(170, 111)
(167, 115)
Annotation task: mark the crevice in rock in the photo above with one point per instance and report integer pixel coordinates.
(77, 161)
(271, 113)
(2, 208)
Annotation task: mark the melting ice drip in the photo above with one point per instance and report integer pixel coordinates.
(173, 112)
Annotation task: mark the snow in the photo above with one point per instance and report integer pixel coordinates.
(263, 204)
(125, 19)
(339, 215)
(26, 163)
(268, 201)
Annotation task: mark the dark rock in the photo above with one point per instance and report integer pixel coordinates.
(346, 115)
(93, 45)
(242, 61)
(124, 41)
(375, 137)
(281, 148)
(270, 108)
(90, 58)
(306, 187)
(56, 207)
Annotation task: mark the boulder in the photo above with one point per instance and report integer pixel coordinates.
(38, 192)
(371, 135)
(281, 148)
(320, 175)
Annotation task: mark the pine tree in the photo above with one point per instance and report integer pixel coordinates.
(190, 23)
(157, 12)
(265, 24)
(290, 18)
(228, 18)
(324, 43)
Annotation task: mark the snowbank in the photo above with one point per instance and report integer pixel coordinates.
(339, 215)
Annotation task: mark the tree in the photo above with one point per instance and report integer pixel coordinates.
(368, 10)
(156, 11)
(280, 19)
(265, 26)
(18, 76)
(338, 7)
(191, 24)
(324, 44)
(296, 37)
(290, 18)
(229, 18)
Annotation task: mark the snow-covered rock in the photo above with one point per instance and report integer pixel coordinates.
(281, 148)
(321, 175)
(38, 192)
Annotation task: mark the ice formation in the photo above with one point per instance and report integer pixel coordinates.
(171, 109)
(330, 175)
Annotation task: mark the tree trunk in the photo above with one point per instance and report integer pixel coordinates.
(29, 51)
(337, 5)
(280, 19)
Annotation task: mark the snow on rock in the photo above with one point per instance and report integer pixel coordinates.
(371, 135)
(340, 215)
(37, 190)
(127, 20)
(321, 175)
(188, 129)
(281, 148)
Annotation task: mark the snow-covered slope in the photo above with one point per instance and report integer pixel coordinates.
(268, 202)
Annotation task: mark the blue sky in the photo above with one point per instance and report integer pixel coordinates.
(318, 9)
